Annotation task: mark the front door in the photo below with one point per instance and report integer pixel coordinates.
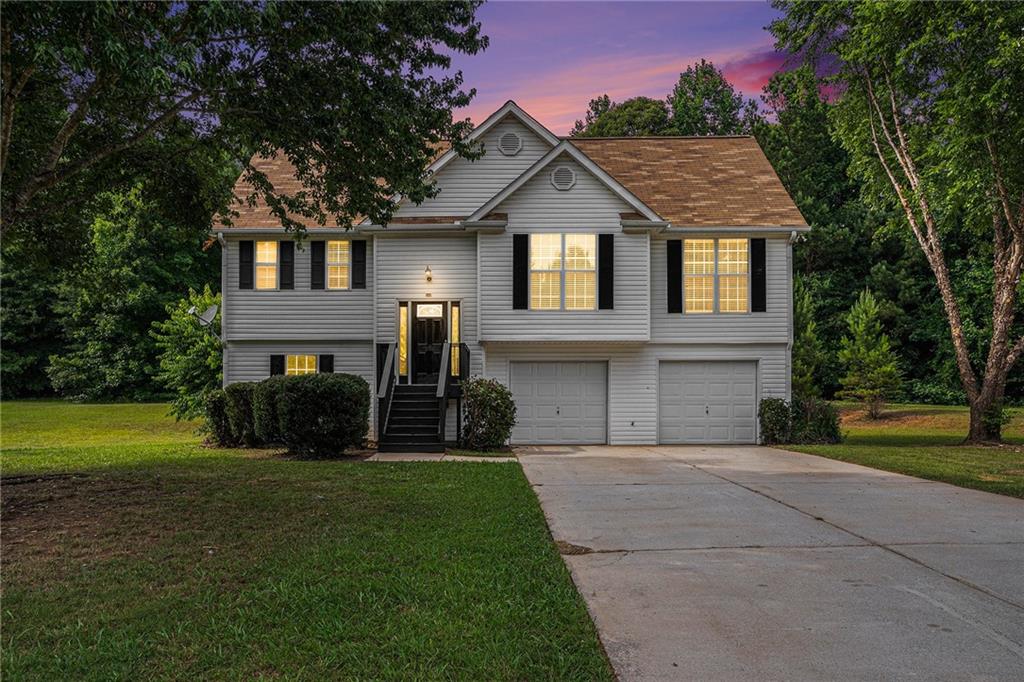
(429, 332)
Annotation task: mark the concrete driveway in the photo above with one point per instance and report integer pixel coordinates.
(726, 563)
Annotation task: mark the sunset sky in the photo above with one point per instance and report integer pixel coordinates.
(554, 57)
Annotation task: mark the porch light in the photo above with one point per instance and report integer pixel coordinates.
(429, 275)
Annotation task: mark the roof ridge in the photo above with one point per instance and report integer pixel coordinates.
(660, 137)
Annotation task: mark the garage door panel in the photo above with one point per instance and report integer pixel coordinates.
(707, 402)
(560, 402)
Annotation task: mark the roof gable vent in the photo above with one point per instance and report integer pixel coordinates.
(510, 143)
(563, 178)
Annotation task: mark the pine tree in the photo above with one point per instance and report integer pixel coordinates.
(806, 345)
(872, 368)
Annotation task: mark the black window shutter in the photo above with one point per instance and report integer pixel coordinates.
(286, 256)
(606, 271)
(520, 271)
(359, 264)
(326, 365)
(675, 276)
(759, 279)
(276, 364)
(317, 264)
(246, 263)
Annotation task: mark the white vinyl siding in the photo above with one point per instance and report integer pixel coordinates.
(301, 313)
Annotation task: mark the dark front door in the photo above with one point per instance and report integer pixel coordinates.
(429, 332)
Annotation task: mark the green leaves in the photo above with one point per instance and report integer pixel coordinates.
(872, 369)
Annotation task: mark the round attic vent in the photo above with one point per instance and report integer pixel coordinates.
(509, 144)
(563, 178)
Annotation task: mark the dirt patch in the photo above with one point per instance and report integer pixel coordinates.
(571, 549)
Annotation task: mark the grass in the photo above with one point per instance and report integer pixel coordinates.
(926, 441)
(130, 551)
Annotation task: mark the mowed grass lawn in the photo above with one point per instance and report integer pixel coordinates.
(130, 551)
(926, 441)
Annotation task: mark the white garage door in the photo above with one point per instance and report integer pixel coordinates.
(560, 402)
(707, 402)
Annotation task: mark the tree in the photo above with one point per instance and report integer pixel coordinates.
(355, 95)
(189, 354)
(931, 112)
(704, 102)
(807, 350)
(635, 117)
(872, 370)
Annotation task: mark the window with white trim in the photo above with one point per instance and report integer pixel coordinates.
(266, 265)
(300, 364)
(563, 271)
(339, 260)
(716, 276)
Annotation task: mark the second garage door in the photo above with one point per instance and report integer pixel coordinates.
(560, 402)
(707, 402)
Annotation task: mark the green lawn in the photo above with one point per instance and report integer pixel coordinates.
(130, 551)
(925, 441)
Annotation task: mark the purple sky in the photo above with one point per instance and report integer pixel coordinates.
(553, 57)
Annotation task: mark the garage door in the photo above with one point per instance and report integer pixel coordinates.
(707, 402)
(560, 402)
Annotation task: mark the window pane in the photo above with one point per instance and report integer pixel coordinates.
(545, 251)
(732, 257)
(732, 293)
(301, 364)
(337, 252)
(700, 293)
(580, 290)
(266, 252)
(337, 277)
(545, 290)
(699, 256)
(454, 336)
(403, 340)
(266, 276)
(580, 250)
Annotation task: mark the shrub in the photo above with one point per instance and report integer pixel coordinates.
(239, 399)
(814, 421)
(774, 415)
(265, 418)
(217, 422)
(322, 414)
(489, 412)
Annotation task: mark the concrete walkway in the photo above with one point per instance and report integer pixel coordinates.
(729, 563)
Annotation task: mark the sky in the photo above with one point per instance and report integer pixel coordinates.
(552, 58)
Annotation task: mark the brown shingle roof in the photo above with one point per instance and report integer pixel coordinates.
(698, 181)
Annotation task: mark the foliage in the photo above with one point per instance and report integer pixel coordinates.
(265, 399)
(774, 417)
(872, 368)
(634, 117)
(236, 76)
(489, 413)
(321, 415)
(807, 349)
(215, 409)
(190, 355)
(704, 102)
(813, 421)
(239, 409)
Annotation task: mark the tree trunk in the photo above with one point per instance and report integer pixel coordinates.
(984, 427)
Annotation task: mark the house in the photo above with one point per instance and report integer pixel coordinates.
(627, 290)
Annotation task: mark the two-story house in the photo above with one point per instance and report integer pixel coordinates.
(626, 290)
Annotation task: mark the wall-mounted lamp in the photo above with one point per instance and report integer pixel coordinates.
(428, 274)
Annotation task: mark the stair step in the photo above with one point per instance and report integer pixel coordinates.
(410, 447)
(411, 430)
(410, 420)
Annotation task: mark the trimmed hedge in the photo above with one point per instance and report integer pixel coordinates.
(321, 415)
(489, 412)
(239, 401)
(265, 397)
(806, 420)
(217, 423)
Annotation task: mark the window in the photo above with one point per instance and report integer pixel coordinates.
(266, 265)
(563, 271)
(716, 276)
(300, 364)
(403, 340)
(455, 338)
(339, 256)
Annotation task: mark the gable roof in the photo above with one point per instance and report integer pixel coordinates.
(566, 147)
(698, 181)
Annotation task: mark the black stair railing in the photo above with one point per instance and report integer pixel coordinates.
(385, 390)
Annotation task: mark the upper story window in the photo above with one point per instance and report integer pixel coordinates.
(300, 364)
(716, 275)
(339, 259)
(266, 265)
(563, 271)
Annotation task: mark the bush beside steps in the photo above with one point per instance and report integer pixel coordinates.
(313, 415)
